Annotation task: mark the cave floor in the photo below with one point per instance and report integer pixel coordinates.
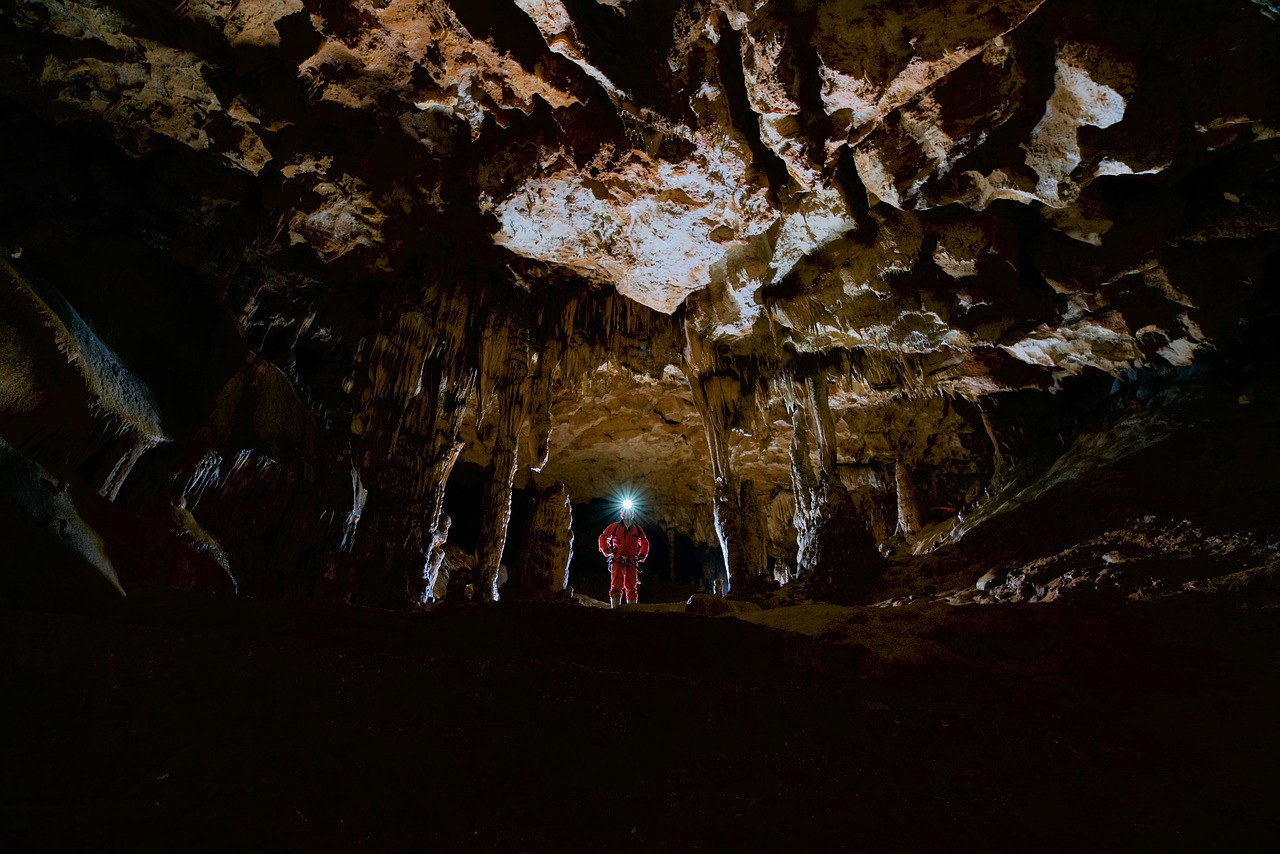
(198, 722)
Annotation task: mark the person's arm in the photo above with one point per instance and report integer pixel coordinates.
(642, 547)
(604, 543)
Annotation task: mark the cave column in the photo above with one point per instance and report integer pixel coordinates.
(389, 537)
(754, 535)
(504, 395)
(542, 569)
(412, 394)
(804, 483)
(557, 330)
(728, 518)
(836, 554)
(713, 396)
(717, 388)
(909, 523)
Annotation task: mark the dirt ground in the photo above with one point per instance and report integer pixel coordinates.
(197, 722)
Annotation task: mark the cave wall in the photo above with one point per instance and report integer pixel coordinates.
(800, 275)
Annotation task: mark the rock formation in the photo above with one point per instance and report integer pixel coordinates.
(832, 283)
(542, 569)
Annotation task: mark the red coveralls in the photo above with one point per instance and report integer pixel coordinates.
(627, 547)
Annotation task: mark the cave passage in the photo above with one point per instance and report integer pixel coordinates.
(936, 342)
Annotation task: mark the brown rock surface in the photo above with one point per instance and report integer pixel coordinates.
(293, 261)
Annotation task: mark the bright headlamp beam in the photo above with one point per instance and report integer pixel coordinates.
(626, 504)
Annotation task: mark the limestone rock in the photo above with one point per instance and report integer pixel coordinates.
(708, 605)
(790, 271)
(542, 570)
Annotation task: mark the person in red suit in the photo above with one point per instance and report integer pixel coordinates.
(626, 547)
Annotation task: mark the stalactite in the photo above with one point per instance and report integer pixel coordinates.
(715, 397)
(604, 326)
(206, 473)
(903, 372)
(114, 397)
(823, 423)
(513, 372)
(266, 543)
(359, 497)
(704, 525)
(394, 378)
(540, 408)
(68, 400)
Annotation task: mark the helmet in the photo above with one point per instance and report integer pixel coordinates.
(628, 511)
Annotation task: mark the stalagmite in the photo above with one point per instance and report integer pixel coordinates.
(436, 572)
(542, 569)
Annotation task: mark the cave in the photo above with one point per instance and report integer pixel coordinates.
(934, 342)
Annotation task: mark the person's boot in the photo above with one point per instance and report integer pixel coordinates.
(633, 600)
(614, 601)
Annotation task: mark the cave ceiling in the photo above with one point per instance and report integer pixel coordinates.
(609, 242)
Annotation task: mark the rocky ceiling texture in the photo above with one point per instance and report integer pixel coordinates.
(821, 281)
